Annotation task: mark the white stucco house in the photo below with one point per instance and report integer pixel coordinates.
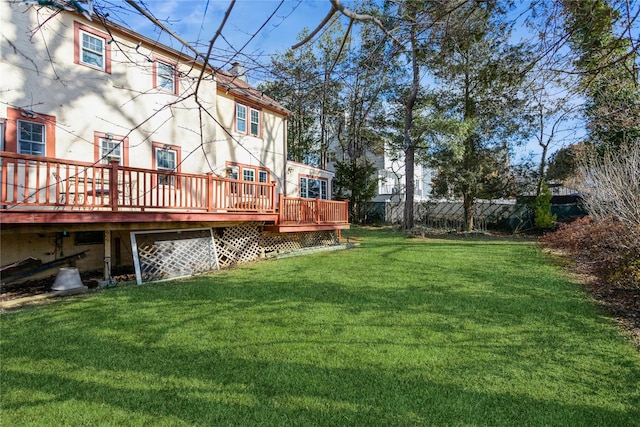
(106, 134)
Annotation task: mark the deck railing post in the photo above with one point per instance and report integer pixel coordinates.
(317, 211)
(3, 183)
(209, 191)
(345, 218)
(114, 185)
(273, 196)
(281, 211)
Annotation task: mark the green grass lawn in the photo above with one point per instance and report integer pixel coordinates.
(393, 332)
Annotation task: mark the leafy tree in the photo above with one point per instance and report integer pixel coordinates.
(367, 76)
(331, 57)
(296, 85)
(600, 34)
(355, 180)
(563, 164)
(480, 75)
(411, 21)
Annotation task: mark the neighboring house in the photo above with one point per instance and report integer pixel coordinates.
(109, 138)
(388, 204)
(391, 179)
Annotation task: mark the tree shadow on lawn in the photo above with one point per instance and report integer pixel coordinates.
(266, 381)
(325, 352)
(212, 388)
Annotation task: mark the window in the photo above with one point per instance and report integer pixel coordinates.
(92, 51)
(233, 172)
(109, 147)
(110, 150)
(166, 160)
(241, 120)
(255, 122)
(31, 138)
(248, 174)
(263, 176)
(311, 188)
(29, 132)
(91, 48)
(165, 76)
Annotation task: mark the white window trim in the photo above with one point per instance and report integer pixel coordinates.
(44, 138)
(248, 120)
(166, 180)
(233, 172)
(107, 158)
(324, 185)
(251, 174)
(102, 54)
(170, 66)
(251, 122)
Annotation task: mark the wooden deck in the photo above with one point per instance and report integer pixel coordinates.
(37, 190)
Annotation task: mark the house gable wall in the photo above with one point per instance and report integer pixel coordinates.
(42, 73)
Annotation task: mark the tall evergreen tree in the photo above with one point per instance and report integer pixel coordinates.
(479, 74)
(331, 51)
(295, 84)
(600, 36)
(367, 78)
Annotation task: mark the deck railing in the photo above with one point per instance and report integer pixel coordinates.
(312, 211)
(30, 182)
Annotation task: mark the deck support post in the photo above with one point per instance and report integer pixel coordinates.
(107, 254)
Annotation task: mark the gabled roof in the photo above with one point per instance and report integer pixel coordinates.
(236, 86)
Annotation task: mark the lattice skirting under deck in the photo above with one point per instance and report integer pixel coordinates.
(238, 244)
(169, 255)
(275, 243)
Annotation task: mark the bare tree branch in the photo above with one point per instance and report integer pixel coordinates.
(318, 28)
(153, 19)
(610, 185)
(213, 40)
(337, 6)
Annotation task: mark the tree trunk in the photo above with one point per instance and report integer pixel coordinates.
(409, 146)
(467, 204)
(543, 165)
(410, 187)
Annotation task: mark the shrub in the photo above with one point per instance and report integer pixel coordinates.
(610, 183)
(542, 216)
(610, 247)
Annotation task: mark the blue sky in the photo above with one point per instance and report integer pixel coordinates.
(259, 28)
(196, 21)
(255, 28)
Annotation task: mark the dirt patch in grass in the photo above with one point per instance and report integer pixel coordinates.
(90, 279)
